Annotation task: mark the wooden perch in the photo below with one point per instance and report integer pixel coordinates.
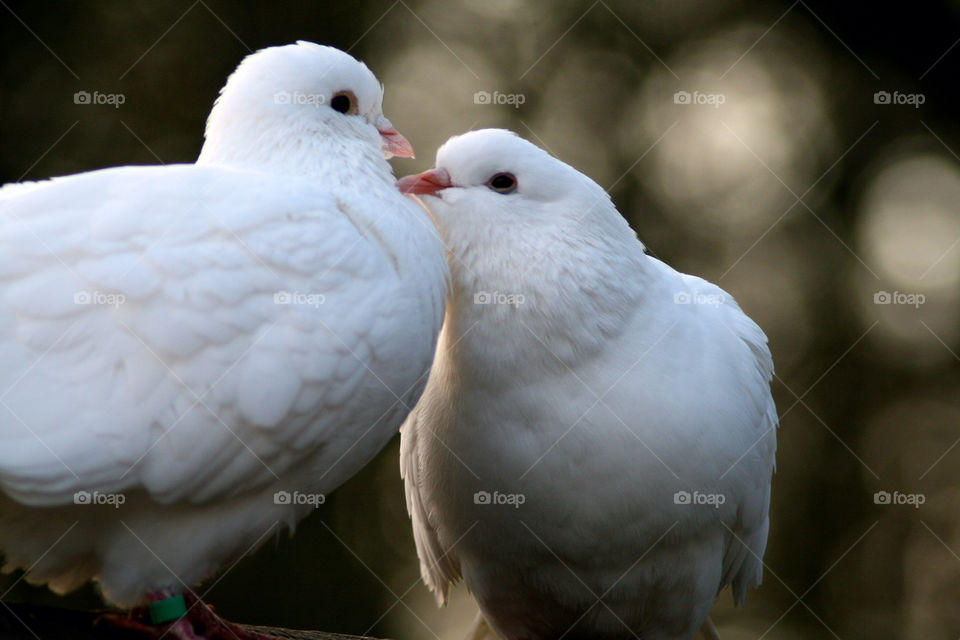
(19, 621)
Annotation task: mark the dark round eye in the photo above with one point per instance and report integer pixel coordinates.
(503, 183)
(341, 102)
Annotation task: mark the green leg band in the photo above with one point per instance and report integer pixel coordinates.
(166, 610)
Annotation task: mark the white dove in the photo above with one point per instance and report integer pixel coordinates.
(194, 354)
(594, 449)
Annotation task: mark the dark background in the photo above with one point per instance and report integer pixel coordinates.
(799, 194)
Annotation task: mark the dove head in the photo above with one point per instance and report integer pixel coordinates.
(529, 235)
(492, 186)
(300, 108)
(494, 178)
(494, 170)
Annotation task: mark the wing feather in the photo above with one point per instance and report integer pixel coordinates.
(438, 568)
(144, 344)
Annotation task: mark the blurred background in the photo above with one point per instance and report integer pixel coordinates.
(802, 155)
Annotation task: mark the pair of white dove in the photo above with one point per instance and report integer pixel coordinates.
(192, 354)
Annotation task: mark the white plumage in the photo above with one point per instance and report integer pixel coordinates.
(201, 337)
(587, 406)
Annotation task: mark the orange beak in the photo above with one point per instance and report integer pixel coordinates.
(391, 142)
(426, 183)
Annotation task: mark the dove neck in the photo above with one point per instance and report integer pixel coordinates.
(336, 160)
(543, 315)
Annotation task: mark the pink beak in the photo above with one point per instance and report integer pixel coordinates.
(391, 142)
(426, 183)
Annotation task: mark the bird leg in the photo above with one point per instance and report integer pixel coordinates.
(209, 626)
(196, 621)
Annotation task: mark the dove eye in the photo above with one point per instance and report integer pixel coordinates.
(343, 102)
(503, 183)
